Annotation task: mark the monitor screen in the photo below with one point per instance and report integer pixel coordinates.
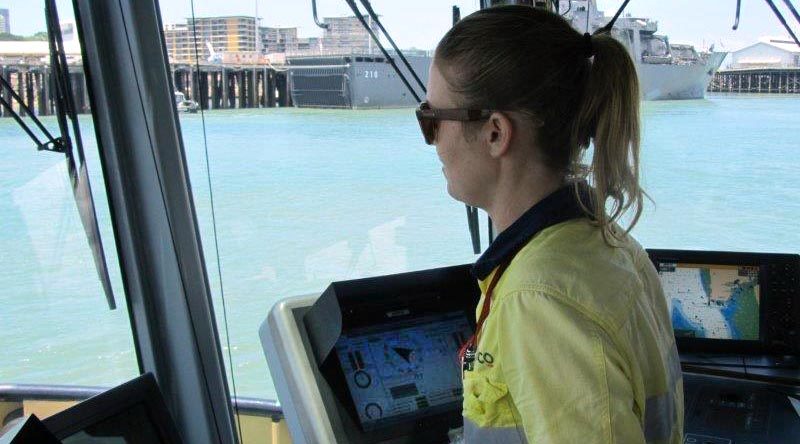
(402, 370)
(712, 301)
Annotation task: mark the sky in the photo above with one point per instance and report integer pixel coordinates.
(420, 23)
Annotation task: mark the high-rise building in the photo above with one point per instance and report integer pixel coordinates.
(231, 34)
(5, 21)
(178, 40)
(311, 44)
(69, 31)
(346, 35)
(278, 39)
(234, 39)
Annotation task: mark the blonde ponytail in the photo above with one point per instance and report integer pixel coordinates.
(609, 119)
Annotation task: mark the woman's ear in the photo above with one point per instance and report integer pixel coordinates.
(498, 132)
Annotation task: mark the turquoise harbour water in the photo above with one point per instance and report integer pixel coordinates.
(304, 197)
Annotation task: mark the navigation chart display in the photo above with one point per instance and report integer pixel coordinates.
(712, 301)
(404, 369)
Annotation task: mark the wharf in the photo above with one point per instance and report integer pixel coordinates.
(757, 80)
(213, 86)
(216, 86)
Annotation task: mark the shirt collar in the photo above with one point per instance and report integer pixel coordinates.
(559, 206)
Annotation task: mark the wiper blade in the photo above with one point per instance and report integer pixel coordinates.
(78, 173)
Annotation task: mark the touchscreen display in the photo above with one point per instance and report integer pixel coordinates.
(404, 369)
(712, 301)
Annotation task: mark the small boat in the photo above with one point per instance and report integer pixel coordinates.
(185, 105)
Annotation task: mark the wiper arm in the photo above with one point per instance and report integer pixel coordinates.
(374, 17)
(360, 17)
(316, 20)
(472, 212)
(57, 145)
(783, 20)
(610, 24)
(78, 174)
(793, 10)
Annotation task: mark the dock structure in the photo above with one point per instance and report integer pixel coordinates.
(761, 80)
(226, 87)
(34, 85)
(212, 86)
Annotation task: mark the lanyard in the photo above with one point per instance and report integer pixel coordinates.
(468, 351)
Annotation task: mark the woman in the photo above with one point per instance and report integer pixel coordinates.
(574, 341)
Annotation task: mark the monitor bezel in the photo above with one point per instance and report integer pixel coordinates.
(142, 390)
(369, 301)
(726, 258)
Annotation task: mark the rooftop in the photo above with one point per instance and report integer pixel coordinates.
(784, 43)
(35, 48)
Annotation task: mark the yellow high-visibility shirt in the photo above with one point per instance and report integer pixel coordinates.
(578, 346)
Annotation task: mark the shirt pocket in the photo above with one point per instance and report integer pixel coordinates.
(487, 403)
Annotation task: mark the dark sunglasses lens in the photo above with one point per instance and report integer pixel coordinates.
(428, 127)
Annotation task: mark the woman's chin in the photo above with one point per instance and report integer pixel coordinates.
(454, 193)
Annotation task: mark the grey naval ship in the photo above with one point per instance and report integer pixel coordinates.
(666, 71)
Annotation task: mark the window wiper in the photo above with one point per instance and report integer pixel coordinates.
(783, 20)
(66, 116)
(314, 12)
(793, 10)
(61, 145)
(56, 145)
(390, 59)
(399, 53)
(472, 212)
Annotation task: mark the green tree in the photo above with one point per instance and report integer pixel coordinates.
(6, 37)
(38, 37)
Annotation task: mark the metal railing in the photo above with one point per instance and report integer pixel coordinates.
(40, 392)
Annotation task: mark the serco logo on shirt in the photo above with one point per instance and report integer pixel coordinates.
(485, 358)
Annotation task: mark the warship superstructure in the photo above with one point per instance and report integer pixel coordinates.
(666, 71)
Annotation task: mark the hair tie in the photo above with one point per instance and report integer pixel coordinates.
(588, 47)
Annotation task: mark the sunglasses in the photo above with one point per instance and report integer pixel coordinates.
(428, 118)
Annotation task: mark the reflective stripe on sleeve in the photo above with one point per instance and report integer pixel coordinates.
(660, 412)
(492, 435)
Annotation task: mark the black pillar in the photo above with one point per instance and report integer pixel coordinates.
(271, 88)
(280, 84)
(203, 93)
(242, 91)
(231, 99)
(5, 73)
